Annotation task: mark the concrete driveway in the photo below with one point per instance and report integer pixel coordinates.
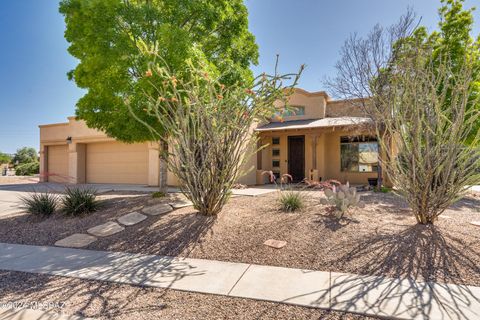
(10, 194)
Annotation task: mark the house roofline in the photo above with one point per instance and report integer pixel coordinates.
(312, 94)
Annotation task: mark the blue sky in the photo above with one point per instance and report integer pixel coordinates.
(34, 60)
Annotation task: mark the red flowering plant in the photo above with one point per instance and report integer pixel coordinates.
(210, 125)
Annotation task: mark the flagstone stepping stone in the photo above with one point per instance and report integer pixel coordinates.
(277, 244)
(157, 209)
(106, 229)
(181, 204)
(77, 240)
(132, 218)
(475, 223)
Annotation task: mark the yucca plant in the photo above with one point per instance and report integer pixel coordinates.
(79, 201)
(290, 200)
(41, 204)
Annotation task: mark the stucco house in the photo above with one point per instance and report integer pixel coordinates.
(317, 139)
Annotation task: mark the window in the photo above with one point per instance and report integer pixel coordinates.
(294, 111)
(291, 112)
(276, 152)
(359, 154)
(276, 140)
(276, 163)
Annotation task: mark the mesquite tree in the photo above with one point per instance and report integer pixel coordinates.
(361, 64)
(210, 127)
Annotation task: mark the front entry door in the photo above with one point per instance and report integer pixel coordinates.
(296, 157)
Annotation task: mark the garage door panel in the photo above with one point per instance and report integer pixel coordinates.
(57, 166)
(116, 162)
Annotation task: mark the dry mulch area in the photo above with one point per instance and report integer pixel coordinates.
(105, 300)
(4, 180)
(381, 239)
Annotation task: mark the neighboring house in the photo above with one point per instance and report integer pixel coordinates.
(322, 139)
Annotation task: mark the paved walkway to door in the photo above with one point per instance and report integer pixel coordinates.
(369, 295)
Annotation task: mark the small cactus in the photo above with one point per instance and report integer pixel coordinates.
(342, 197)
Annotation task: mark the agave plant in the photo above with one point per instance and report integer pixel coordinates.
(343, 197)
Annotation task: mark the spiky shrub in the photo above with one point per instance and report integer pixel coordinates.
(209, 126)
(158, 194)
(434, 130)
(42, 204)
(342, 197)
(79, 201)
(291, 200)
(422, 93)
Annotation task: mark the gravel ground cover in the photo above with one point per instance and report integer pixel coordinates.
(102, 300)
(17, 179)
(381, 239)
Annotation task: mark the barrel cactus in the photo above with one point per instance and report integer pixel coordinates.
(343, 197)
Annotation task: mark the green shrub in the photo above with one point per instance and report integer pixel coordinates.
(291, 201)
(158, 194)
(382, 189)
(79, 200)
(27, 169)
(42, 204)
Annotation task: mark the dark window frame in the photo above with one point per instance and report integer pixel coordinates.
(352, 143)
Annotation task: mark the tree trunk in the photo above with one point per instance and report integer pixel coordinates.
(163, 169)
(380, 176)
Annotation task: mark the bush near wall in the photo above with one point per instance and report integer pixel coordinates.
(27, 169)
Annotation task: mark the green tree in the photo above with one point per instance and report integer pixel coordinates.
(5, 158)
(453, 43)
(104, 36)
(25, 155)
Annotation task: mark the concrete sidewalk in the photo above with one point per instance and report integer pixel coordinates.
(375, 296)
(21, 313)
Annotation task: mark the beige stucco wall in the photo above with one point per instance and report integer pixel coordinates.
(77, 153)
(322, 154)
(322, 146)
(81, 137)
(314, 104)
(344, 108)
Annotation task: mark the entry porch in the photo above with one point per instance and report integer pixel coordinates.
(346, 152)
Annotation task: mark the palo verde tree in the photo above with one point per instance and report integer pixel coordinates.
(103, 36)
(454, 39)
(210, 125)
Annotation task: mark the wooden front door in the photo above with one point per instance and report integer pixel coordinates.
(296, 157)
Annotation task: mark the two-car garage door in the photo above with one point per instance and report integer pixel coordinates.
(116, 162)
(105, 162)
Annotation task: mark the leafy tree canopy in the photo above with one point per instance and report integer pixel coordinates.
(25, 155)
(5, 158)
(104, 36)
(453, 42)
